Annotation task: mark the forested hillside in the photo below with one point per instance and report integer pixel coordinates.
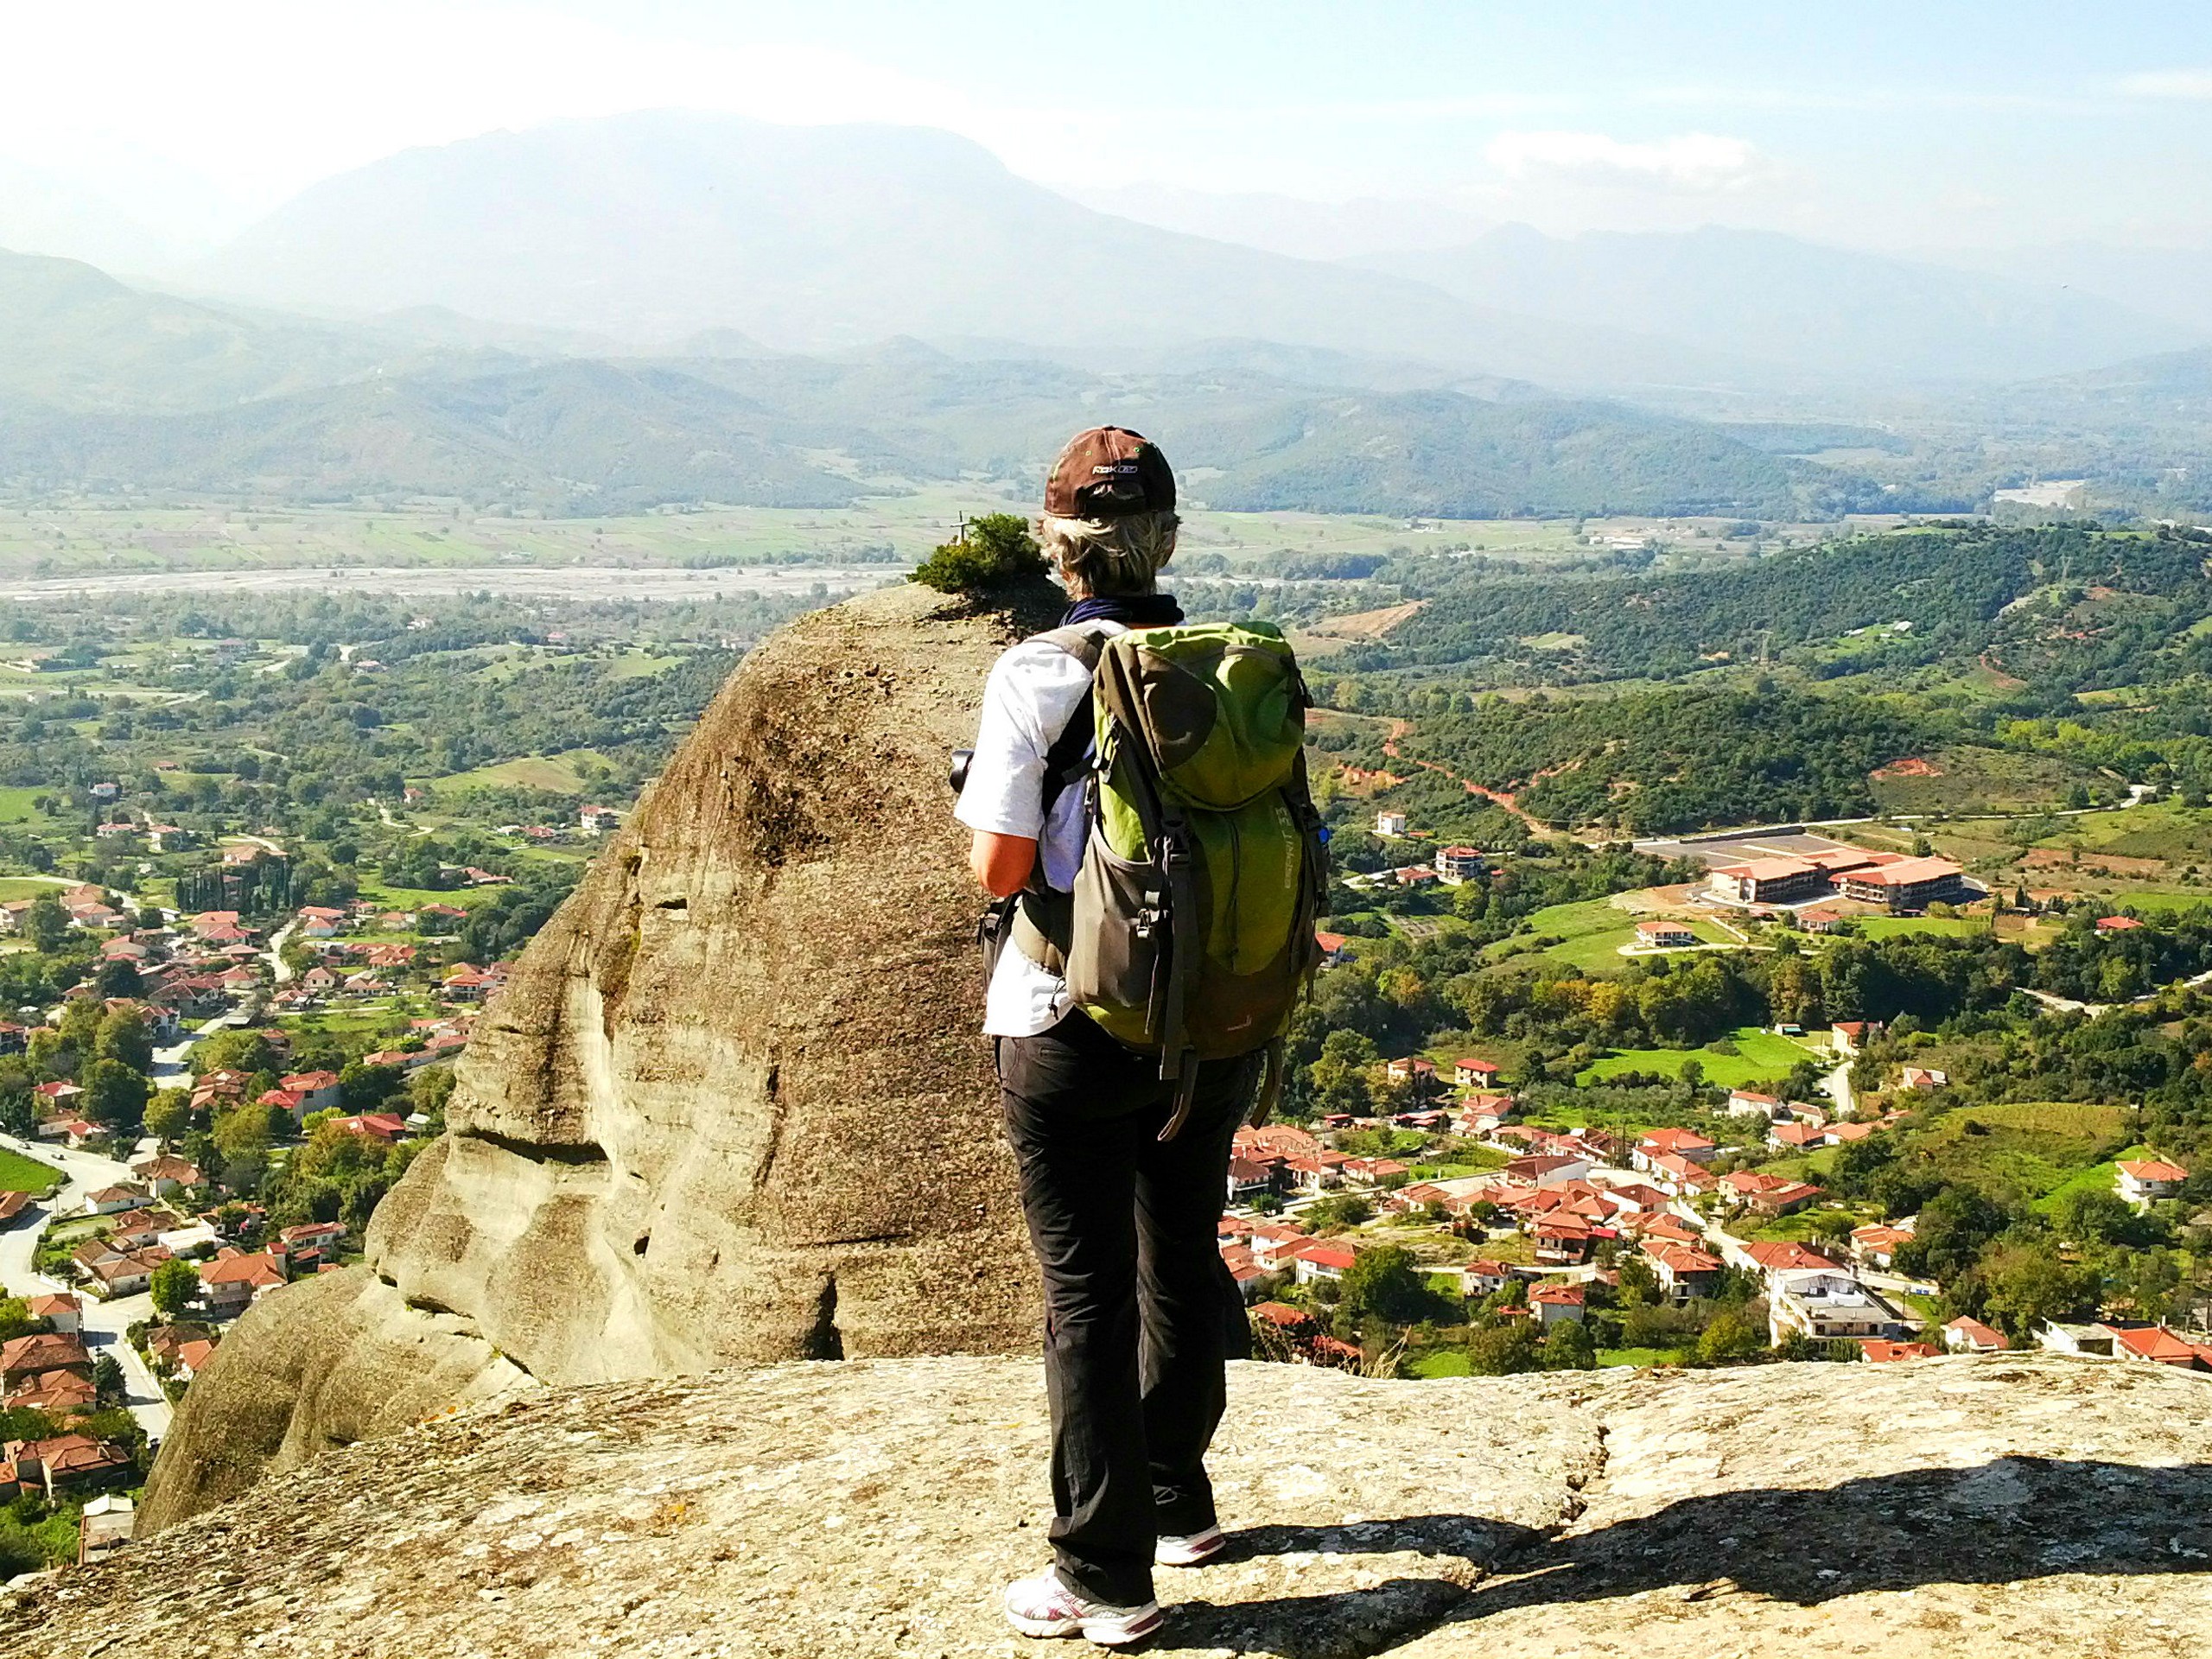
(1948, 589)
(1804, 673)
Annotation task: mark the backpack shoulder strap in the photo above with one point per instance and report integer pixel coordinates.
(1064, 761)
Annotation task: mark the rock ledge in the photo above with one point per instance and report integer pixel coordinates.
(1945, 1507)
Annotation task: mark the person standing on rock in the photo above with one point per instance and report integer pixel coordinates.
(1130, 1033)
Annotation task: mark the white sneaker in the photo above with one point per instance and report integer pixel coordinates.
(1045, 1606)
(1193, 1549)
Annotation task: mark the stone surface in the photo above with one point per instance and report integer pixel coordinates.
(1959, 1508)
(733, 1107)
(340, 1359)
(1947, 1507)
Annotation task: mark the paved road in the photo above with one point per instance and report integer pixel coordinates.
(105, 1322)
(274, 956)
(1838, 1084)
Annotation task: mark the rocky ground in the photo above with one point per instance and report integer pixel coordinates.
(863, 1508)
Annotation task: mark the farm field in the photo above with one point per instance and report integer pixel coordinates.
(1884, 927)
(2162, 901)
(414, 898)
(2026, 1151)
(556, 772)
(1761, 1055)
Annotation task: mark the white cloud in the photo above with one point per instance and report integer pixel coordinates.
(2169, 83)
(1688, 162)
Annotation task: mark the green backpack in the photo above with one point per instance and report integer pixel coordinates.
(1190, 931)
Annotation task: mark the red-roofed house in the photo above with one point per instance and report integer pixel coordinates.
(1876, 1243)
(2146, 1181)
(1247, 1180)
(232, 1282)
(1684, 1270)
(1470, 1073)
(1771, 1256)
(1412, 1069)
(378, 1126)
(2117, 924)
(1880, 1350)
(1679, 1175)
(1851, 1035)
(1749, 1103)
(318, 1090)
(1768, 880)
(1562, 1240)
(1769, 1195)
(1320, 1259)
(1544, 1168)
(1796, 1137)
(64, 1312)
(1682, 1143)
(1554, 1303)
(67, 1462)
(2159, 1346)
(23, 1358)
(114, 1200)
(1908, 884)
(1966, 1336)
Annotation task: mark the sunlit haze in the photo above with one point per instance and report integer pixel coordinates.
(1894, 126)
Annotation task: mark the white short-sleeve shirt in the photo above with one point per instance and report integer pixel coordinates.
(1033, 691)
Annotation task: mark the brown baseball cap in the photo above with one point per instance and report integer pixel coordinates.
(1110, 472)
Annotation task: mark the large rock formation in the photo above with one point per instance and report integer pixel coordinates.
(733, 1107)
(1970, 1509)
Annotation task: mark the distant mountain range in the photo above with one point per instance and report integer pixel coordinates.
(105, 387)
(651, 228)
(668, 307)
(1829, 312)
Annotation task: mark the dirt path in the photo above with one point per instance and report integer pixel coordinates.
(1495, 797)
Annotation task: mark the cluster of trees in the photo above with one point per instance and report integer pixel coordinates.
(107, 1052)
(1952, 585)
(1925, 978)
(331, 1176)
(1391, 1311)
(2015, 1265)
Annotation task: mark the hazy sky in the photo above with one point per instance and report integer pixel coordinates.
(1894, 125)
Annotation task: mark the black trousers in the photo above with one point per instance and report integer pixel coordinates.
(1140, 1311)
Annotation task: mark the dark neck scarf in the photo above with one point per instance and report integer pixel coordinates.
(1130, 610)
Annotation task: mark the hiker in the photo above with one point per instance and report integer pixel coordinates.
(1122, 1090)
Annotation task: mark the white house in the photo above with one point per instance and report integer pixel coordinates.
(1966, 1336)
(2146, 1181)
(1824, 1303)
(1747, 1103)
(1321, 1260)
(1554, 1303)
(1457, 864)
(114, 1200)
(1389, 824)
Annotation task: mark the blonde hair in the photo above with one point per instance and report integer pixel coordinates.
(1108, 556)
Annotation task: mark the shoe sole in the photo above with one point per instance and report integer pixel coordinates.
(1162, 1556)
(1104, 1633)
